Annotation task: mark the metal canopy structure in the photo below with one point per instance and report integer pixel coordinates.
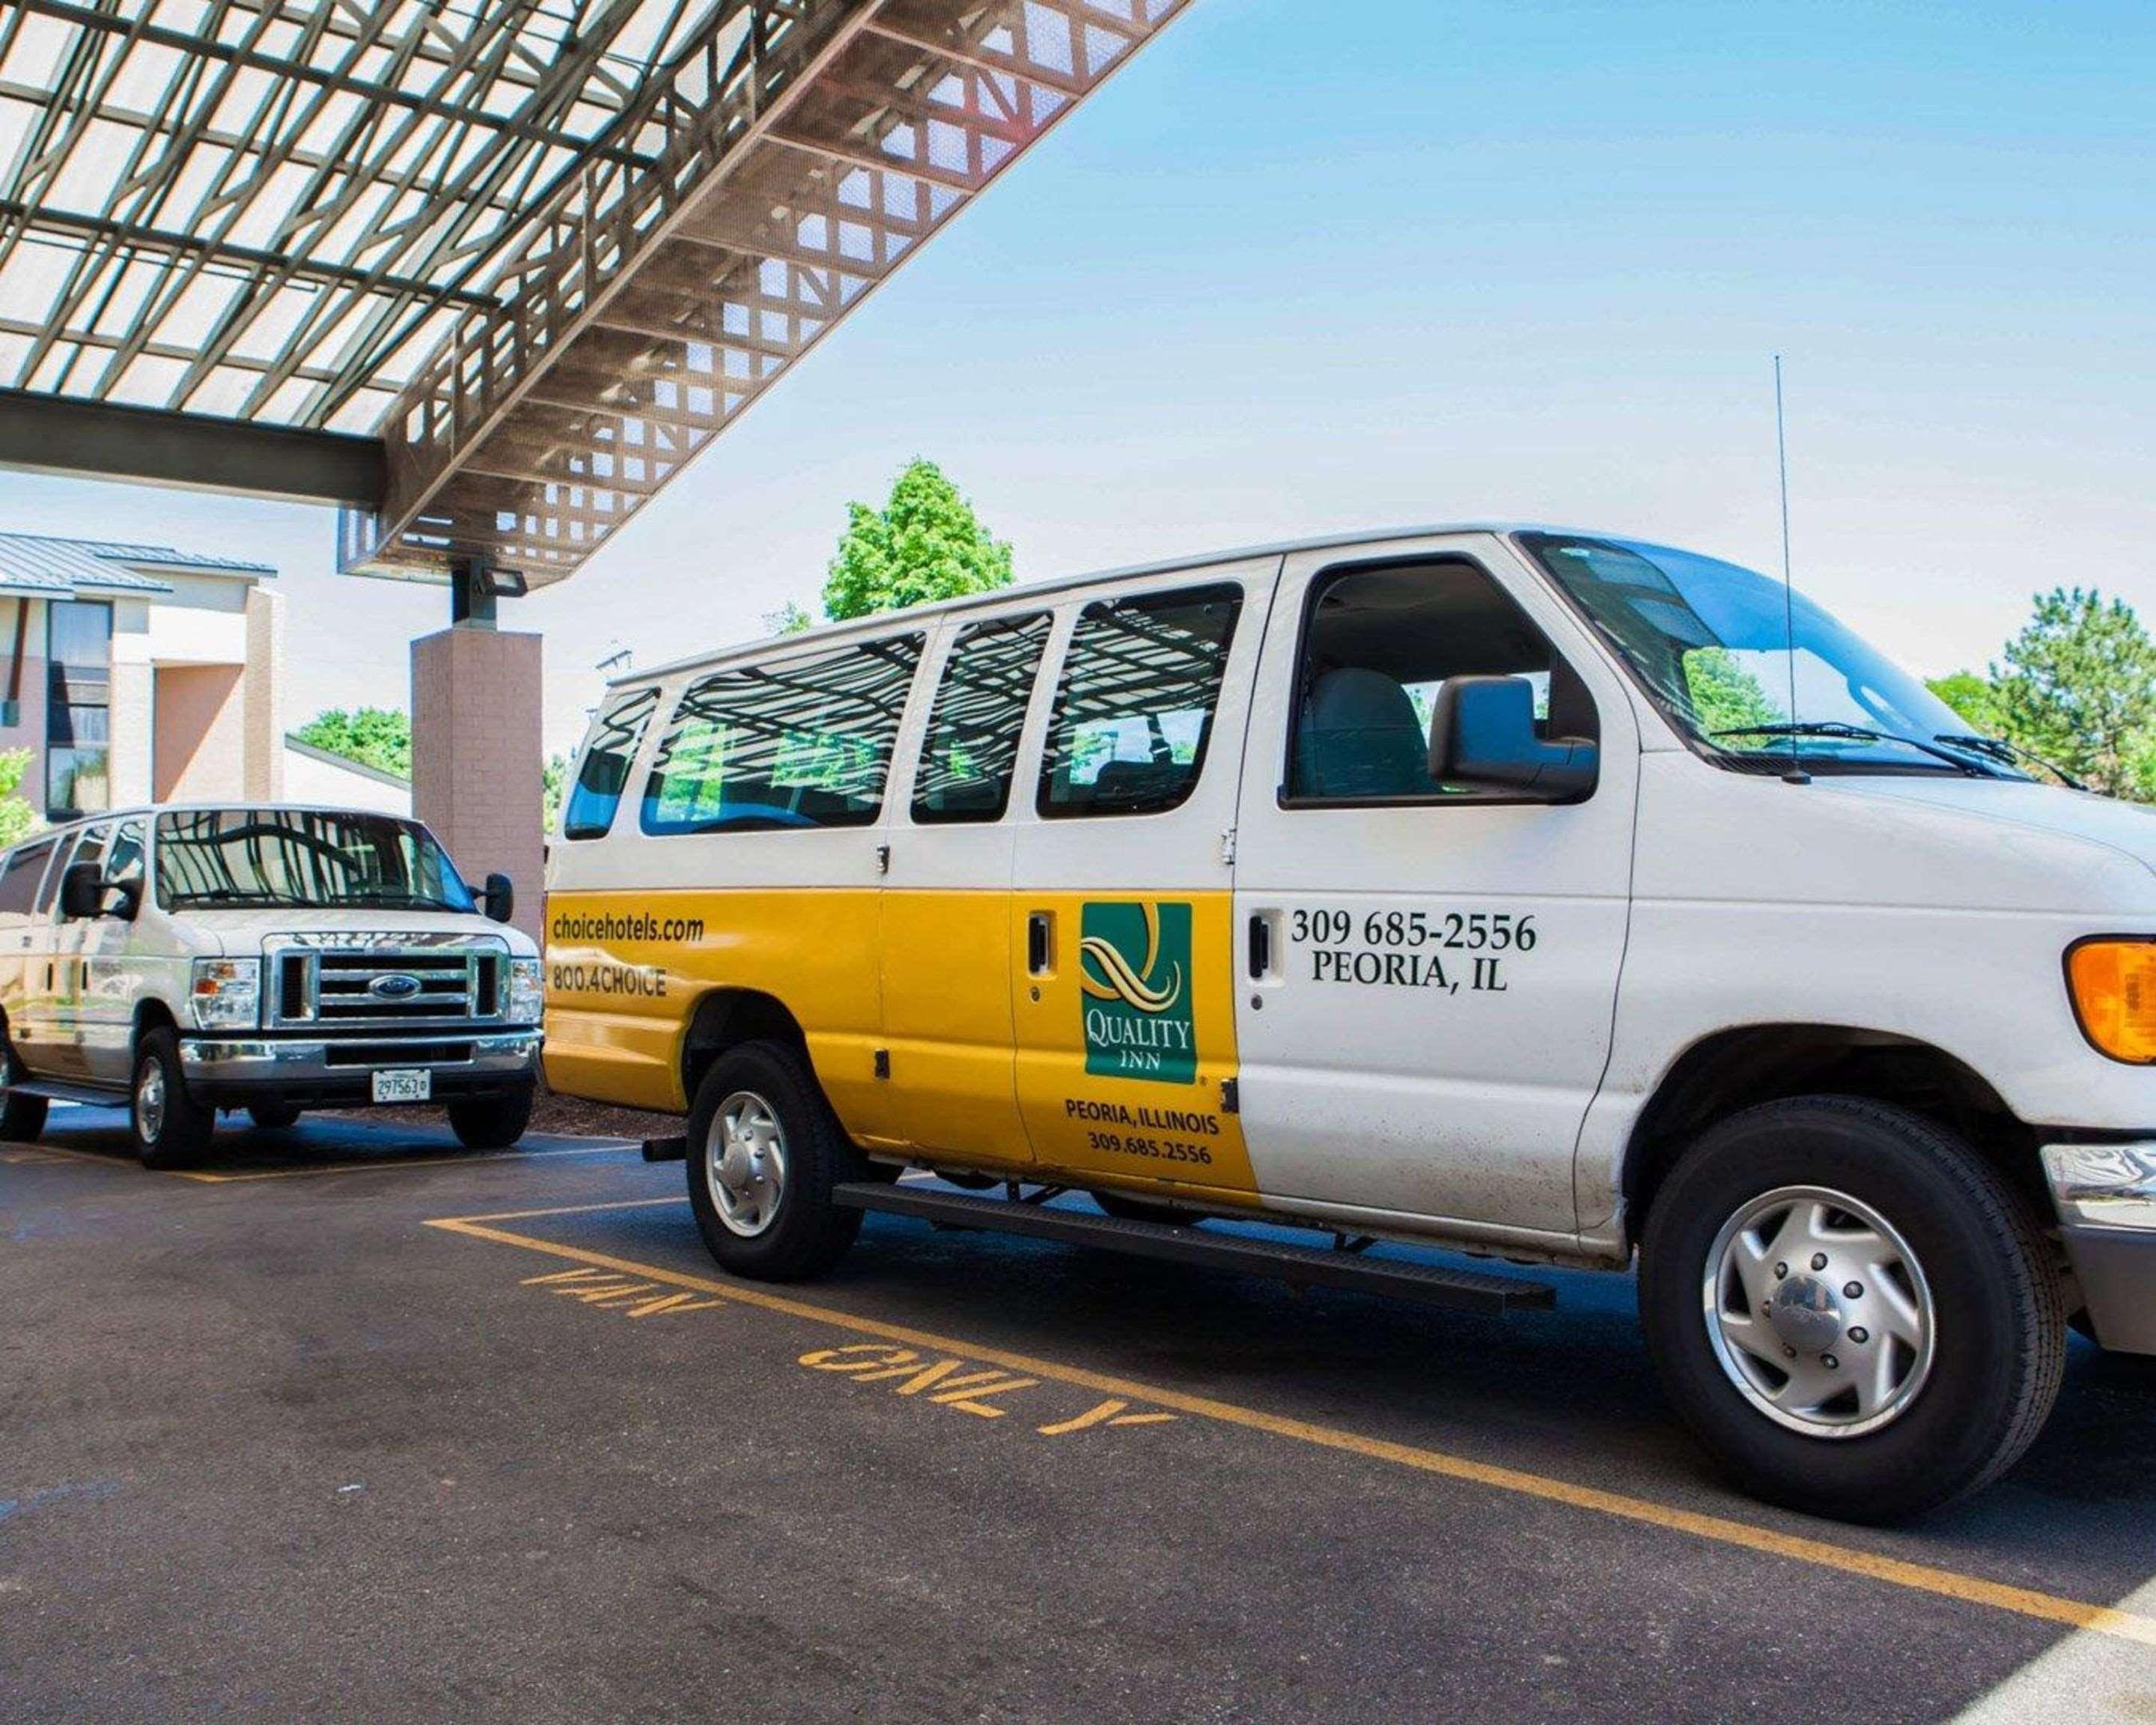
(488, 273)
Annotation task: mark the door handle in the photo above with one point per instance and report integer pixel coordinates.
(1261, 945)
(1037, 926)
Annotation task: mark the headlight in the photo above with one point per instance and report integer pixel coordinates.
(227, 994)
(524, 1002)
(2113, 985)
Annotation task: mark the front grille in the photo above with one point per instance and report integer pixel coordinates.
(363, 986)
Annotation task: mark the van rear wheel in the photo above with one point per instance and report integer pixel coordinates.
(1851, 1311)
(764, 1151)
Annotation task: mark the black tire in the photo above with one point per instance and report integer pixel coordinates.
(181, 1128)
(22, 1118)
(1139, 1210)
(272, 1116)
(492, 1123)
(804, 1234)
(1995, 1368)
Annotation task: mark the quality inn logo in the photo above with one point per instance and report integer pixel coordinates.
(1134, 971)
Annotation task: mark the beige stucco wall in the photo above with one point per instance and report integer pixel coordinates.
(263, 749)
(476, 757)
(201, 733)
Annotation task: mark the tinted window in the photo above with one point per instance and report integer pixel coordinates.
(51, 890)
(263, 859)
(605, 773)
(1134, 709)
(1378, 647)
(805, 743)
(972, 746)
(123, 863)
(18, 877)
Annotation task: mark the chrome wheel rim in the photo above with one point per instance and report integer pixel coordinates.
(1818, 1312)
(150, 1102)
(745, 1163)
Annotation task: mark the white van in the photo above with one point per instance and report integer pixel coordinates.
(1466, 886)
(176, 961)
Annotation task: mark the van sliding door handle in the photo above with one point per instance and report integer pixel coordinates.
(1036, 942)
(1261, 945)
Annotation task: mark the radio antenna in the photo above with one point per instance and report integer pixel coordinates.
(1796, 774)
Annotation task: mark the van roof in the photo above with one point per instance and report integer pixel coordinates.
(884, 621)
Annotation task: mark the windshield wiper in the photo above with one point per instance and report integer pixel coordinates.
(1998, 748)
(236, 895)
(1863, 734)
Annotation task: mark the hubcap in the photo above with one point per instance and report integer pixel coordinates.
(1818, 1312)
(150, 1102)
(745, 1163)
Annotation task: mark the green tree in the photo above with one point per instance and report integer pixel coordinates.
(789, 619)
(554, 779)
(17, 818)
(377, 737)
(2079, 689)
(1725, 697)
(1973, 698)
(925, 544)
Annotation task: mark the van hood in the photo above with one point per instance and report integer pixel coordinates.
(241, 931)
(2128, 829)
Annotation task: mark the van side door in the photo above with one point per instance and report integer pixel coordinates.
(1428, 963)
(116, 969)
(1121, 920)
(20, 877)
(72, 939)
(946, 910)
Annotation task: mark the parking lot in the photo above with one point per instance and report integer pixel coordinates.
(350, 1422)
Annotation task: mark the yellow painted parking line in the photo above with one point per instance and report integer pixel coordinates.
(1848, 1560)
(387, 1165)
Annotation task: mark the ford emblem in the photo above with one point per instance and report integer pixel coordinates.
(396, 985)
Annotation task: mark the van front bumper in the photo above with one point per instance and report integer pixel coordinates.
(2106, 1196)
(225, 1072)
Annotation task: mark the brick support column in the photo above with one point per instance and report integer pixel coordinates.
(476, 760)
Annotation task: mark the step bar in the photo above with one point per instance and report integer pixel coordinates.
(1299, 1265)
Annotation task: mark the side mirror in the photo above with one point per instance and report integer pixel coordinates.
(498, 897)
(82, 891)
(1483, 734)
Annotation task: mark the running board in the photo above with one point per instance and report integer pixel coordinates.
(1302, 1267)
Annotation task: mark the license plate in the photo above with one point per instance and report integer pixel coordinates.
(406, 1086)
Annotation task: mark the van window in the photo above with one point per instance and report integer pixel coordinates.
(972, 746)
(1134, 709)
(19, 876)
(803, 743)
(50, 891)
(604, 773)
(1378, 643)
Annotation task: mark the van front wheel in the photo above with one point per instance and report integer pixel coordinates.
(1850, 1309)
(170, 1128)
(764, 1153)
(22, 1117)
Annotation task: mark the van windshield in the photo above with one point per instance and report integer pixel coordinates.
(254, 858)
(1711, 642)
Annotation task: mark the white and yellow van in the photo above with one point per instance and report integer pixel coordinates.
(1468, 885)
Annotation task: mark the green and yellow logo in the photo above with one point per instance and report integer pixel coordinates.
(1134, 971)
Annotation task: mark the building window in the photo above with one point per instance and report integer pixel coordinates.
(78, 707)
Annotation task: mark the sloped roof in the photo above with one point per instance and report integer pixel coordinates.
(32, 563)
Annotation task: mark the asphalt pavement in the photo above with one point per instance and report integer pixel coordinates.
(352, 1422)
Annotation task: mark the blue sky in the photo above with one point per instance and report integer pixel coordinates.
(1302, 267)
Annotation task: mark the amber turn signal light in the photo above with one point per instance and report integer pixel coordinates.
(2113, 985)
